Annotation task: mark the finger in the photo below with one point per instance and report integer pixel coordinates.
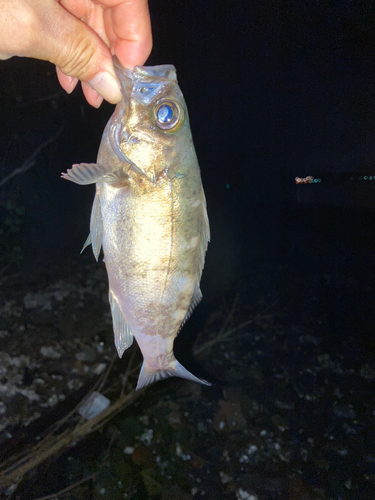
(79, 9)
(76, 49)
(88, 12)
(68, 83)
(92, 97)
(132, 27)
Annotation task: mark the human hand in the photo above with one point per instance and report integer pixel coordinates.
(80, 37)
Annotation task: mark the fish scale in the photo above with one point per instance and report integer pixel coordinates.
(149, 216)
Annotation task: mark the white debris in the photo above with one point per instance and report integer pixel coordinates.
(88, 354)
(5, 362)
(51, 401)
(32, 417)
(99, 368)
(39, 381)
(244, 459)
(11, 489)
(180, 454)
(42, 299)
(74, 384)
(29, 394)
(147, 436)
(62, 290)
(367, 372)
(128, 450)
(50, 352)
(348, 484)
(20, 361)
(252, 449)
(244, 495)
(283, 405)
(144, 419)
(225, 478)
(94, 405)
(163, 464)
(10, 308)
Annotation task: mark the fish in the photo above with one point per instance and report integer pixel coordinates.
(150, 217)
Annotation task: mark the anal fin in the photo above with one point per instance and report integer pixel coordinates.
(87, 243)
(123, 335)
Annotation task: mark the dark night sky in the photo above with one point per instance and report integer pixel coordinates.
(274, 90)
(278, 78)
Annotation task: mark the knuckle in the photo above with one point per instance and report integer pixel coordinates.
(80, 50)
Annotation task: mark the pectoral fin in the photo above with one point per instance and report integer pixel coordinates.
(123, 335)
(85, 173)
(91, 173)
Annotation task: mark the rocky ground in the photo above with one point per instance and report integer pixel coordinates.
(55, 339)
(285, 418)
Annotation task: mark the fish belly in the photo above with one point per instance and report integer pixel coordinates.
(151, 249)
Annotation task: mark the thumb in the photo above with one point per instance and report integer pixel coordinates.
(76, 50)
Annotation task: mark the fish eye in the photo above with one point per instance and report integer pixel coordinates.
(168, 115)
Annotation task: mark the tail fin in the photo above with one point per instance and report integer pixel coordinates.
(147, 378)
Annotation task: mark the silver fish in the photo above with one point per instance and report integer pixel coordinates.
(150, 216)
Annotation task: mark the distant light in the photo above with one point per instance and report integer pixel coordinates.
(371, 177)
(306, 180)
(227, 186)
(365, 177)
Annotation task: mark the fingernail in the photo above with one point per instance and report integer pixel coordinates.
(98, 101)
(107, 86)
(72, 84)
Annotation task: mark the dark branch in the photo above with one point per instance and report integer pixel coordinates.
(30, 161)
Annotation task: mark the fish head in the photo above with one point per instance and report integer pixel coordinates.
(150, 126)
